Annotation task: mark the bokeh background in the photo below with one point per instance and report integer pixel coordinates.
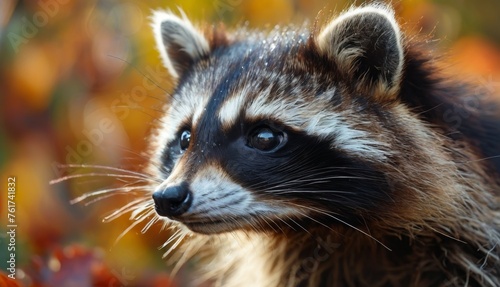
(81, 83)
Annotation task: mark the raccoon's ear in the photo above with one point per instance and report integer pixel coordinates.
(179, 43)
(365, 43)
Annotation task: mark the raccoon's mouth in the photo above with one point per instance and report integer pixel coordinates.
(211, 226)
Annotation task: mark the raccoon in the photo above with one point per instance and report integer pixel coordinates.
(332, 156)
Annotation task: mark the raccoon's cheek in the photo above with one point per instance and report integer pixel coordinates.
(215, 195)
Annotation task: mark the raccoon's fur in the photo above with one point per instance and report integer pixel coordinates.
(332, 157)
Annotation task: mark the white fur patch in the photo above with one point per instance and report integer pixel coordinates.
(187, 37)
(216, 196)
(231, 108)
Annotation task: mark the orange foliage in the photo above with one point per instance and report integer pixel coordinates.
(477, 56)
(6, 281)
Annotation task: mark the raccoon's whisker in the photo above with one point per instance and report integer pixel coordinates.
(447, 235)
(122, 210)
(313, 181)
(175, 238)
(479, 159)
(344, 222)
(172, 238)
(97, 174)
(286, 223)
(320, 176)
(117, 190)
(300, 182)
(143, 214)
(231, 219)
(249, 223)
(298, 224)
(150, 223)
(262, 219)
(174, 246)
(354, 172)
(270, 219)
(312, 177)
(128, 187)
(142, 208)
(273, 225)
(96, 166)
(312, 219)
(287, 191)
(135, 223)
(270, 222)
(97, 199)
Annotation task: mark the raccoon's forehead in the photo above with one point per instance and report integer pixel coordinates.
(236, 75)
(260, 67)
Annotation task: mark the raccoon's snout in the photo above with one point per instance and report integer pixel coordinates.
(173, 200)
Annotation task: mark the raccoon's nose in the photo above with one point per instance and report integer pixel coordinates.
(173, 200)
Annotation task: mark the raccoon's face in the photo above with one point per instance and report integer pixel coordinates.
(266, 130)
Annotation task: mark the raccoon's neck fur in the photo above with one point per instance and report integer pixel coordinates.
(348, 258)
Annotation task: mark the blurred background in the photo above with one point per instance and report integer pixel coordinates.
(81, 83)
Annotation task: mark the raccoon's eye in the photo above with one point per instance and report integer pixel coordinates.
(184, 139)
(265, 139)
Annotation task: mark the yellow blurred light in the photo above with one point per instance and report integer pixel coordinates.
(262, 12)
(54, 264)
(34, 75)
